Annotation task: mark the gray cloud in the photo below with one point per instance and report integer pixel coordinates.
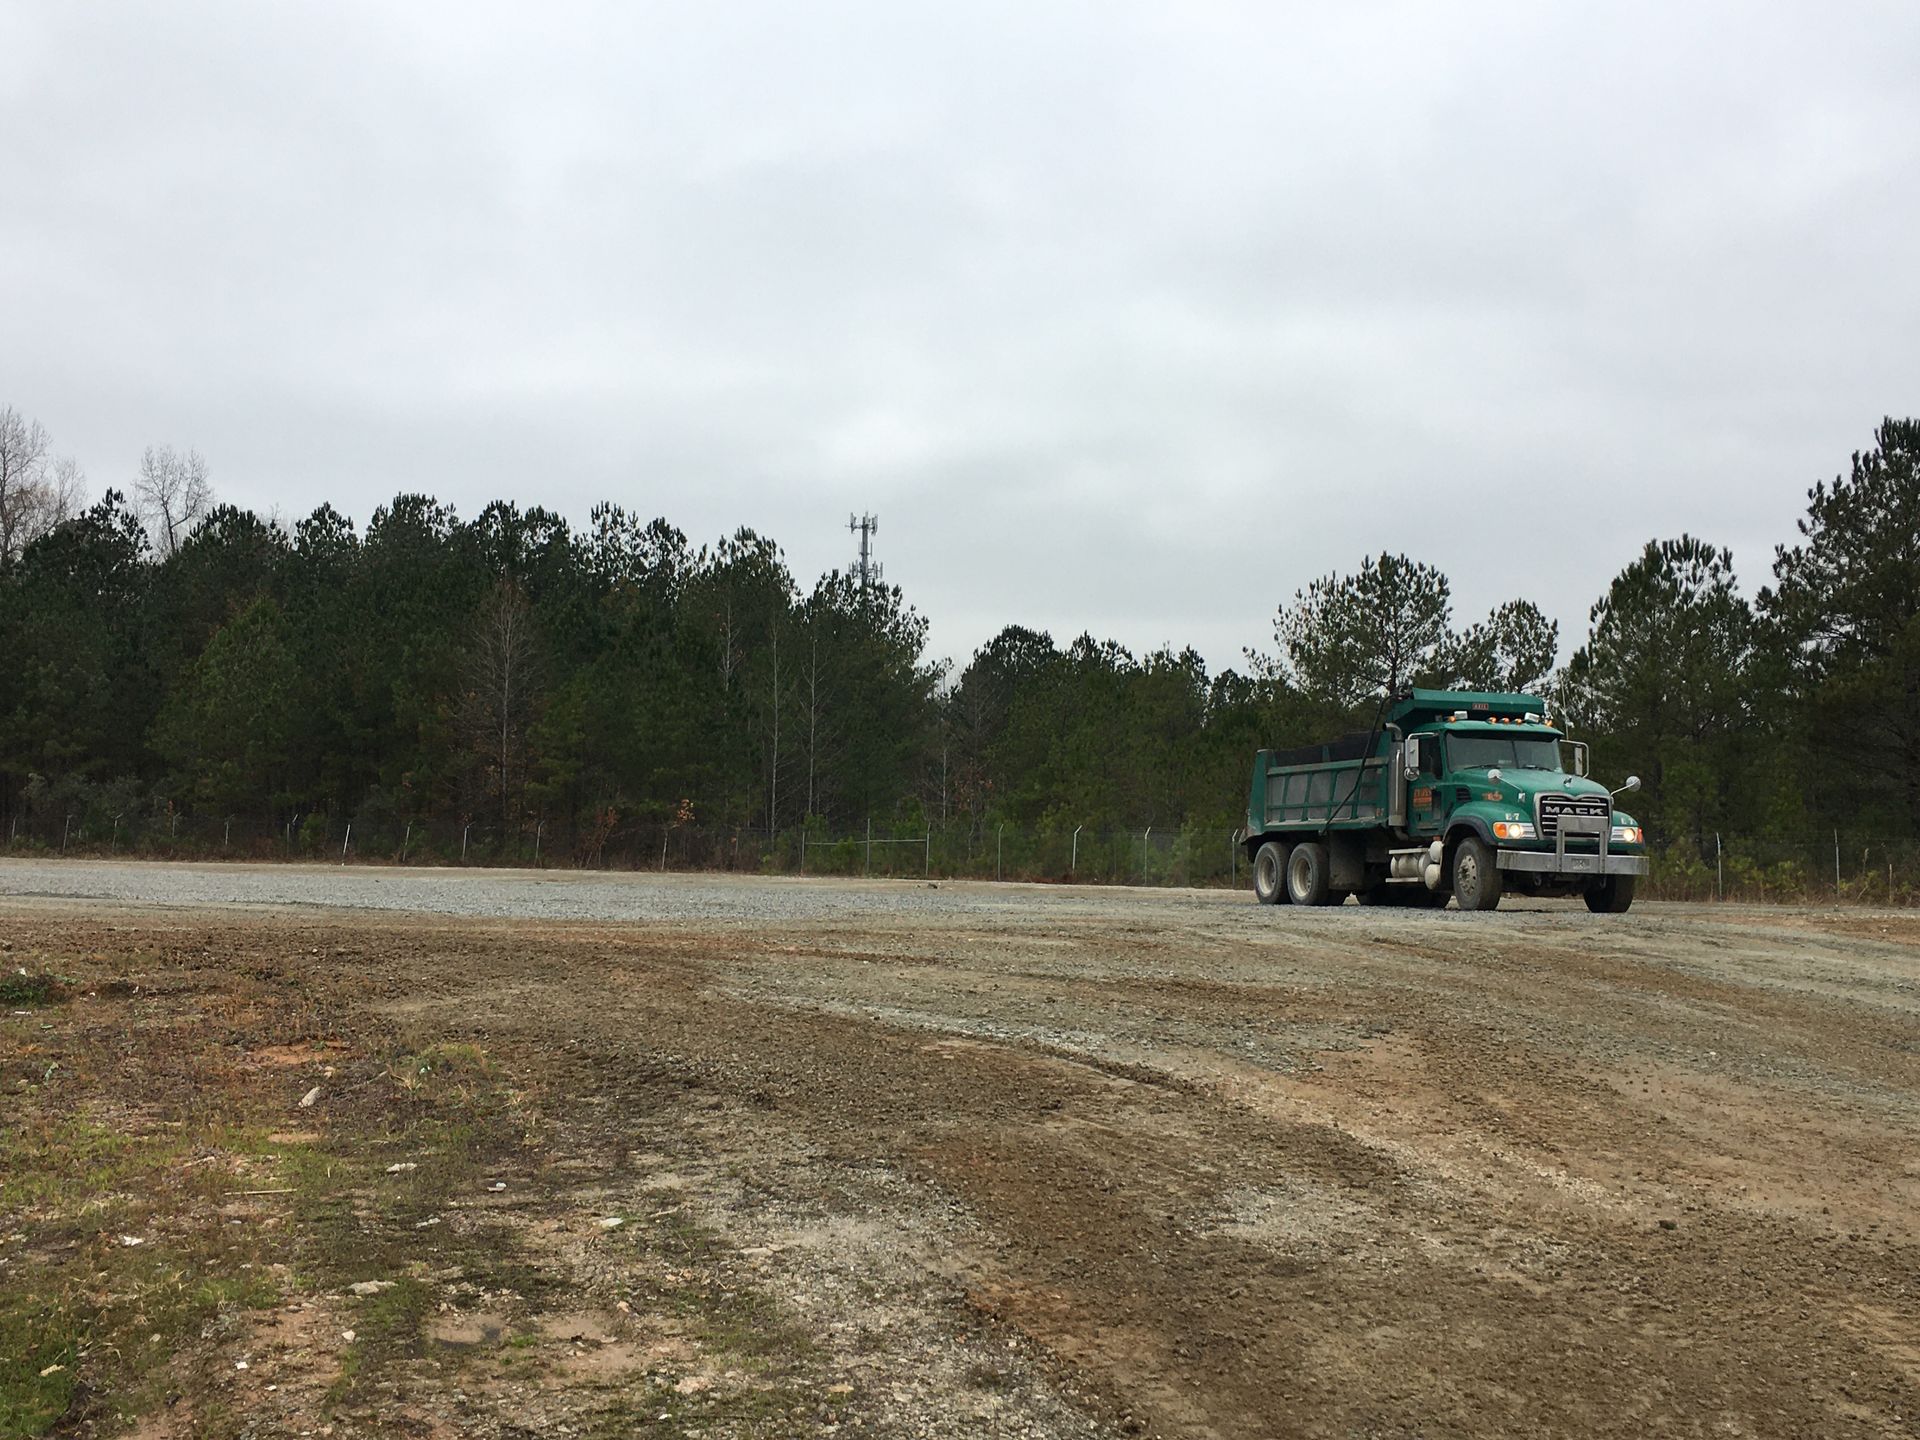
(1126, 318)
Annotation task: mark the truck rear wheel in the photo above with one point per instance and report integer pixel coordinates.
(1270, 873)
(1307, 874)
(1476, 876)
(1613, 895)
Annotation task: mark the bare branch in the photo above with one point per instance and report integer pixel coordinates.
(174, 494)
(23, 465)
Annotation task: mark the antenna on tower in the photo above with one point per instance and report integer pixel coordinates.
(866, 570)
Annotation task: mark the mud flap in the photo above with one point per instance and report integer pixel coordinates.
(1346, 862)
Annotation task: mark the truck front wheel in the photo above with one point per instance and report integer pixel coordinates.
(1476, 876)
(1613, 895)
(1270, 873)
(1307, 874)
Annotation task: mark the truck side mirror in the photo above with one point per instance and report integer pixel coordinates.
(1579, 749)
(1413, 757)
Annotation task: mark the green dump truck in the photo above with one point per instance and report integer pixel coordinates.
(1455, 793)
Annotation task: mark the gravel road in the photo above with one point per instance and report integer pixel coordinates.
(571, 894)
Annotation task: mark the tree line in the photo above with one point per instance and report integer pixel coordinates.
(168, 654)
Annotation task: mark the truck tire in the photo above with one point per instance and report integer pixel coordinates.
(1307, 874)
(1270, 873)
(1476, 876)
(1613, 895)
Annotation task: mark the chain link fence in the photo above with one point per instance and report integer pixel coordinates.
(1812, 866)
(1146, 856)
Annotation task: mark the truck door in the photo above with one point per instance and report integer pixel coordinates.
(1423, 792)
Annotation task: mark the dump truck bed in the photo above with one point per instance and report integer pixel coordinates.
(1310, 789)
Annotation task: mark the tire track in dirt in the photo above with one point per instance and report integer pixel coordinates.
(1104, 1201)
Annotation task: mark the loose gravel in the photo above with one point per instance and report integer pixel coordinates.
(572, 895)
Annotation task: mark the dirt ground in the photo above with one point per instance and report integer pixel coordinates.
(1159, 1165)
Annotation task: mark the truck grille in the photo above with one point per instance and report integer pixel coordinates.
(1549, 809)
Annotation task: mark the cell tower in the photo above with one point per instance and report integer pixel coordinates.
(866, 569)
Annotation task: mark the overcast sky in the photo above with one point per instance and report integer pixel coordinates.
(1124, 318)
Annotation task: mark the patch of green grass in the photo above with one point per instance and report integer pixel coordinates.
(90, 1308)
(173, 1303)
(395, 1316)
(170, 1302)
(448, 1118)
(19, 989)
(36, 1335)
(81, 1306)
(386, 1326)
(52, 1161)
(444, 1069)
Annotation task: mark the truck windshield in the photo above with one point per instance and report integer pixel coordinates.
(1513, 752)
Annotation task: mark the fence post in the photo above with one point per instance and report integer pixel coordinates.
(1719, 868)
(1143, 853)
(348, 840)
(999, 842)
(64, 829)
(869, 869)
(226, 835)
(463, 841)
(537, 829)
(1073, 861)
(1836, 862)
(926, 860)
(803, 849)
(405, 841)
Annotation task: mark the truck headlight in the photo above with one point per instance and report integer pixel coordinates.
(1512, 830)
(1626, 835)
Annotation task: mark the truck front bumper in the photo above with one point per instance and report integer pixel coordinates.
(1561, 862)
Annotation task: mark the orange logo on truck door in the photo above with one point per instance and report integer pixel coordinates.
(1423, 796)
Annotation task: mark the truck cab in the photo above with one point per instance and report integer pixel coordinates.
(1465, 794)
